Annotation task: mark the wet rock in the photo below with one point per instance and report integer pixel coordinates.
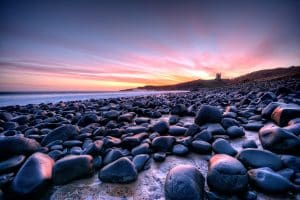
(179, 109)
(111, 141)
(177, 130)
(127, 117)
(286, 173)
(256, 158)
(204, 135)
(228, 122)
(159, 156)
(284, 113)
(95, 148)
(201, 147)
(269, 182)
(135, 140)
(71, 168)
(112, 114)
(141, 149)
(235, 132)
(221, 146)
(192, 130)
(208, 114)
(268, 110)
(163, 143)
(72, 143)
(87, 119)
(16, 145)
(141, 162)
(184, 182)
(180, 150)
(119, 171)
(162, 127)
(292, 162)
(56, 154)
(279, 140)
(253, 126)
(226, 174)
(112, 155)
(215, 129)
(64, 133)
(136, 129)
(294, 128)
(5, 116)
(173, 119)
(39, 168)
(249, 144)
(11, 164)
(142, 120)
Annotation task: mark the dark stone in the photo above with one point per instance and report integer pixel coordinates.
(253, 126)
(97, 162)
(16, 145)
(279, 140)
(204, 135)
(10, 125)
(249, 144)
(72, 143)
(268, 110)
(284, 113)
(95, 148)
(286, 173)
(142, 120)
(226, 174)
(215, 129)
(119, 171)
(223, 147)
(56, 154)
(141, 149)
(34, 177)
(269, 182)
(201, 147)
(162, 127)
(136, 129)
(21, 119)
(208, 114)
(141, 161)
(235, 132)
(135, 140)
(184, 182)
(294, 128)
(292, 162)
(192, 130)
(87, 119)
(173, 119)
(11, 164)
(177, 130)
(159, 156)
(127, 117)
(5, 116)
(228, 122)
(111, 141)
(64, 133)
(71, 168)
(179, 109)
(180, 150)
(256, 158)
(112, 155)
(163, 143)
(112, 114)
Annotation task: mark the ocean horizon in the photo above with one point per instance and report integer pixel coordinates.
(37, 97)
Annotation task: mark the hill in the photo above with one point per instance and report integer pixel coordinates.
(261, 75)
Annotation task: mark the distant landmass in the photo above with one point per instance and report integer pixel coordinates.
(261, 75)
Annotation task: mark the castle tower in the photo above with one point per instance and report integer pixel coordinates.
(218, 77)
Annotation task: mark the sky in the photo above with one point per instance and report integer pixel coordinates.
(75, 45)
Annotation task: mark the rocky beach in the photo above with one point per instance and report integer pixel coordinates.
(235, 142)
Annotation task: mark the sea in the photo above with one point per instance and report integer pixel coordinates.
(24, 98)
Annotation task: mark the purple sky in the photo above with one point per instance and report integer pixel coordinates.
(112, 45)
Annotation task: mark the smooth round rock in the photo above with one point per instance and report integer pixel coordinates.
(119, 171)
(34, 177)
(163, 143)
(180, 150)
(235, 132)
(279, 140)
(201, 147)
(226, 174)
(221, 146)
(256, 158)
(71, 168)
(184, 182)
(269, 182)
(11, 164)
(177, 130)
(141, 149)
(16, 145)
(208, 114)
(64, 133)
(162, 127)
(140, 161)
(284, 113)
(159, 156)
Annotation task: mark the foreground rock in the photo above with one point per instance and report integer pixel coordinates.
(226, 174)
(64, 133)
(16, 145)
(284, 113)
(270, 182)
(279, 140)
(11, 164)
(34, 176)
(184, 182)
(71, 168)
(119, 171)
(208, 114)
(255, 158)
